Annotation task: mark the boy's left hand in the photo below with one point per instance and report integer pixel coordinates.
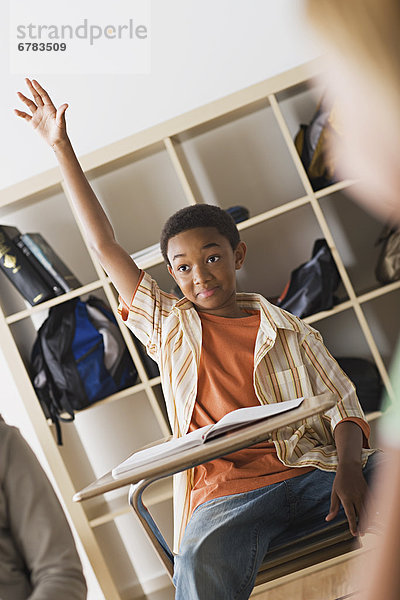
(349, 490)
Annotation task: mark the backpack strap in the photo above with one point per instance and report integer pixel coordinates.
(55, 337)
(44, 387)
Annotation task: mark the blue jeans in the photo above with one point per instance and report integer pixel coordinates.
(227, 538)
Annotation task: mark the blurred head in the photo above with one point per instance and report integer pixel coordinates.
(363, 74)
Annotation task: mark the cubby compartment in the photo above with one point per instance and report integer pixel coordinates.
(118, 434)
(345, 339)
(122, 568)
(275, 248)
(150, 366)
(24, 333)
(383, 317)
(138, 198)
(147, 565)
(51, 216)
(11, 299)
(299, 103)
(355, 233)
(138, 561)
(108, 448)
(164, 280)
(334, 331)
(161, 401)
(244, 161)
(103, 512)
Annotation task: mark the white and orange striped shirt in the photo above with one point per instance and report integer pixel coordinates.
(290, 361)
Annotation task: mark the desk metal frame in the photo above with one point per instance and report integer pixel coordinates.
(139, 478)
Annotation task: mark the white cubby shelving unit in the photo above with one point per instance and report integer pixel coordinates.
(238, 150)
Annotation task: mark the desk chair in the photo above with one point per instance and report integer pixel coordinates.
(317, 546)
(320, 545)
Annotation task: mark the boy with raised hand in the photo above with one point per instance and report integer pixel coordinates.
(218, 350)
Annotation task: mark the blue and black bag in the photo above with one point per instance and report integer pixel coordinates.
(78, 358)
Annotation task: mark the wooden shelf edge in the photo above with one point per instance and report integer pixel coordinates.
(378, 292)
(155, 494)
(125, 393)
(133, 389)
(335, 187)
(373, 416)
(23, 314)
(156, 133)
(31, 187)
(360, 299)
(324, 314)
(273, 212)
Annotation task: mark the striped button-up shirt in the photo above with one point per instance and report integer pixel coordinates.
(290, 361)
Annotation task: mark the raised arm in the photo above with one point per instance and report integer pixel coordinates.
(49, 122)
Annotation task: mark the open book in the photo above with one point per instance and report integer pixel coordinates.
(231, 421)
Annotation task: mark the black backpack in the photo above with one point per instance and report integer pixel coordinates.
(78, 358)
(312, 285)
(314, 145)
(367, 380)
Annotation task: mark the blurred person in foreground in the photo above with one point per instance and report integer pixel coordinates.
(38, 557)
(362, 74)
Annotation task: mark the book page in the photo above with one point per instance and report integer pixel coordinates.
(251, 414)
(231, 421)
(150, 455)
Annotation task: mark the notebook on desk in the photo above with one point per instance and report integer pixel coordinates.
(245, 436)
(230, 422)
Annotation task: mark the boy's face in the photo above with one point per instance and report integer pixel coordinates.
(204, 266)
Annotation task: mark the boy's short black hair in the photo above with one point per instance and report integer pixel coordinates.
(199, 215)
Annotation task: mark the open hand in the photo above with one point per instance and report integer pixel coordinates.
(48, 121)
(350, 490)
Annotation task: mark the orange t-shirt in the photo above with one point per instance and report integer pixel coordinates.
(225, 383)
